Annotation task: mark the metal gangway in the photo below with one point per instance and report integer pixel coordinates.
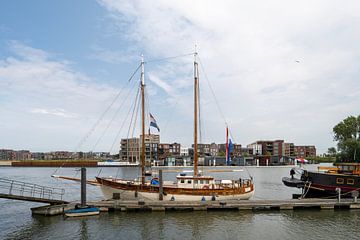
(17, 190)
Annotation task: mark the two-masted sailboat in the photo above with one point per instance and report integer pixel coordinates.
(186, 187)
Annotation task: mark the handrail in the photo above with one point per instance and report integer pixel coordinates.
(19, 188)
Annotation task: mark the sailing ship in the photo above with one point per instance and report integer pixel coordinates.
(186, 187)
(343, 179)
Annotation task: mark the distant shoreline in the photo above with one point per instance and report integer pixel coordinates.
(94, 164)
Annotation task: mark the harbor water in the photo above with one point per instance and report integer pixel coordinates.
(16, 221)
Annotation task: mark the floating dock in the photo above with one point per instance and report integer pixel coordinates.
(235, 205)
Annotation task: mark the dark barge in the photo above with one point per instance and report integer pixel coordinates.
(343, 178)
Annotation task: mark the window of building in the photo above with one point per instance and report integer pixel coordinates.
(350, 181)
(339, 181)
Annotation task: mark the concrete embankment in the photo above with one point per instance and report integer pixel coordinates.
(5, 163)
(64, 163)
(34, 163)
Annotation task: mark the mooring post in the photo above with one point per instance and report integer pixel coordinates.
(338, 190)
(161, 190)
(355, 195)
(83, 186)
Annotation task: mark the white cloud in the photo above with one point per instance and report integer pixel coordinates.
(250, 51)
(160, 83)
(54, 112)
(46, 105)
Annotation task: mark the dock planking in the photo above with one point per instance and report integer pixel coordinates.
(32, 199)
(239, 205)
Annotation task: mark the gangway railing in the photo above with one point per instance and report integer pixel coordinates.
(24, 189)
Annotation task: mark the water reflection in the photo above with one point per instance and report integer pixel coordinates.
(293, 225)
(17, 222)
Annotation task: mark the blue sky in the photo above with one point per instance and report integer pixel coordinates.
(279, 70)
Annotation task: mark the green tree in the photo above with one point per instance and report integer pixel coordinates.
(347, 133)
(331, 152)
(221, 154)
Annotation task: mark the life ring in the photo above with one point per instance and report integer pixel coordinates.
(205, 187)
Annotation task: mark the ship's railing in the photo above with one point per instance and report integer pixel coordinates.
(18, 188)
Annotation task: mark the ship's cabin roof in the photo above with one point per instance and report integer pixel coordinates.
(347, 164)
(195, 177)
(188, 181)
(348, 168)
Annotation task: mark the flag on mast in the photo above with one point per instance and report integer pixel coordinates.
(228, 148)
(153, 122)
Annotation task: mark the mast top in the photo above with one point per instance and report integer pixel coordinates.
(142, 70)
(195, 53)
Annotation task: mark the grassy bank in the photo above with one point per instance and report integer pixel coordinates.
(322, 159)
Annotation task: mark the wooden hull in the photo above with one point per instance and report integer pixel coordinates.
(148, 192)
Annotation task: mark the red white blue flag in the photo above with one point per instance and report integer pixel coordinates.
(153, 122)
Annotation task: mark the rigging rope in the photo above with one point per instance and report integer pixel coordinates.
(87, 135)
(114, 117)
(135, 119)
(212, 91)
(123, 123)
(133, 112)
(168, 58)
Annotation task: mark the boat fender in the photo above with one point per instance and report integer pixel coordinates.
(203, 199)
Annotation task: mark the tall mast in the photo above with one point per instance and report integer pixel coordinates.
(142, 120)
(196, 88)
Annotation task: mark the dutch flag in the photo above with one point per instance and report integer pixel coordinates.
(153, 123)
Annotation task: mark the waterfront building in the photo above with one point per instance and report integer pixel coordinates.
(278, 148)
(203, 149)
(214, 149)
(236, 151)
(184, 151)
(246, 151)
(130, 148)
(7, 154)
(305, 151)
(289, 149)
(22, 155)
(169, 149)
(256, 148)
(37, 156)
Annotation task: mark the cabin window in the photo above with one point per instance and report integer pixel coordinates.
(339, 181)
(195, 181)
(201, 181)
(350, 181)
(182, 181)
(189, 181)
(206, 181)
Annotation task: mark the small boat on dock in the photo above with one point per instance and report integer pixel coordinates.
(82, 211)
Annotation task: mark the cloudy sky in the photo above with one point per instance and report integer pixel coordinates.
(269, 69)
